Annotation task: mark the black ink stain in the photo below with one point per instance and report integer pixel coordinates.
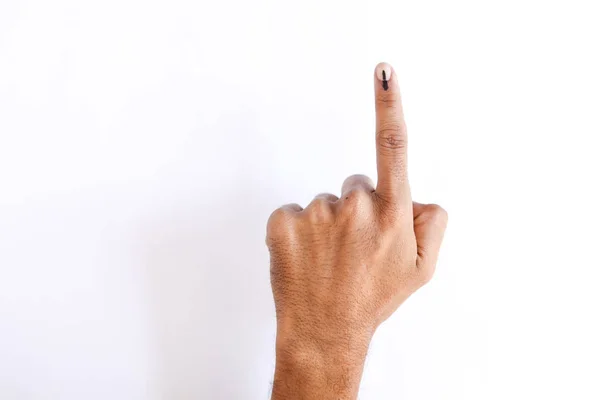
(385, 82)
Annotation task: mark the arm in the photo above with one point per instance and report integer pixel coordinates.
(340, 267)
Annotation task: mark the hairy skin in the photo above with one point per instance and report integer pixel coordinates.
(342, 266)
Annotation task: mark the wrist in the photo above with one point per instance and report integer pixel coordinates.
(321, 367)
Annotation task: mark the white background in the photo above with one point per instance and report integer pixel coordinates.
(143, 145)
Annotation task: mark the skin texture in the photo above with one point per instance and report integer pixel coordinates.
(342, 266)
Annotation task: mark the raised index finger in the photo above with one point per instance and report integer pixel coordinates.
(392, 178)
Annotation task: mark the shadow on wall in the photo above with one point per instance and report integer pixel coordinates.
(210, 299)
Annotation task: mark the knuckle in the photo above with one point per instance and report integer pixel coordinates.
(424, 275)
(277, 217)
(441, 213)
(327, 197)
(319, 210)
(437, 213)
(391, 136)
(357, 203)
(357, 177)
(352, 179)
(280, 224)
(387, 100)
(356, 182)
(356, 198)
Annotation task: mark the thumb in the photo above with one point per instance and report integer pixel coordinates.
(429, 224)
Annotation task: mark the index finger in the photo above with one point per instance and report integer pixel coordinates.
(392, 178)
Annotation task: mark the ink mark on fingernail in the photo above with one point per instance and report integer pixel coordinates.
(385, 82)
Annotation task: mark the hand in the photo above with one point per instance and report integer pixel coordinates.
(341, 266)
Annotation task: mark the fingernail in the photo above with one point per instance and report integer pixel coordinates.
(383, 72)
